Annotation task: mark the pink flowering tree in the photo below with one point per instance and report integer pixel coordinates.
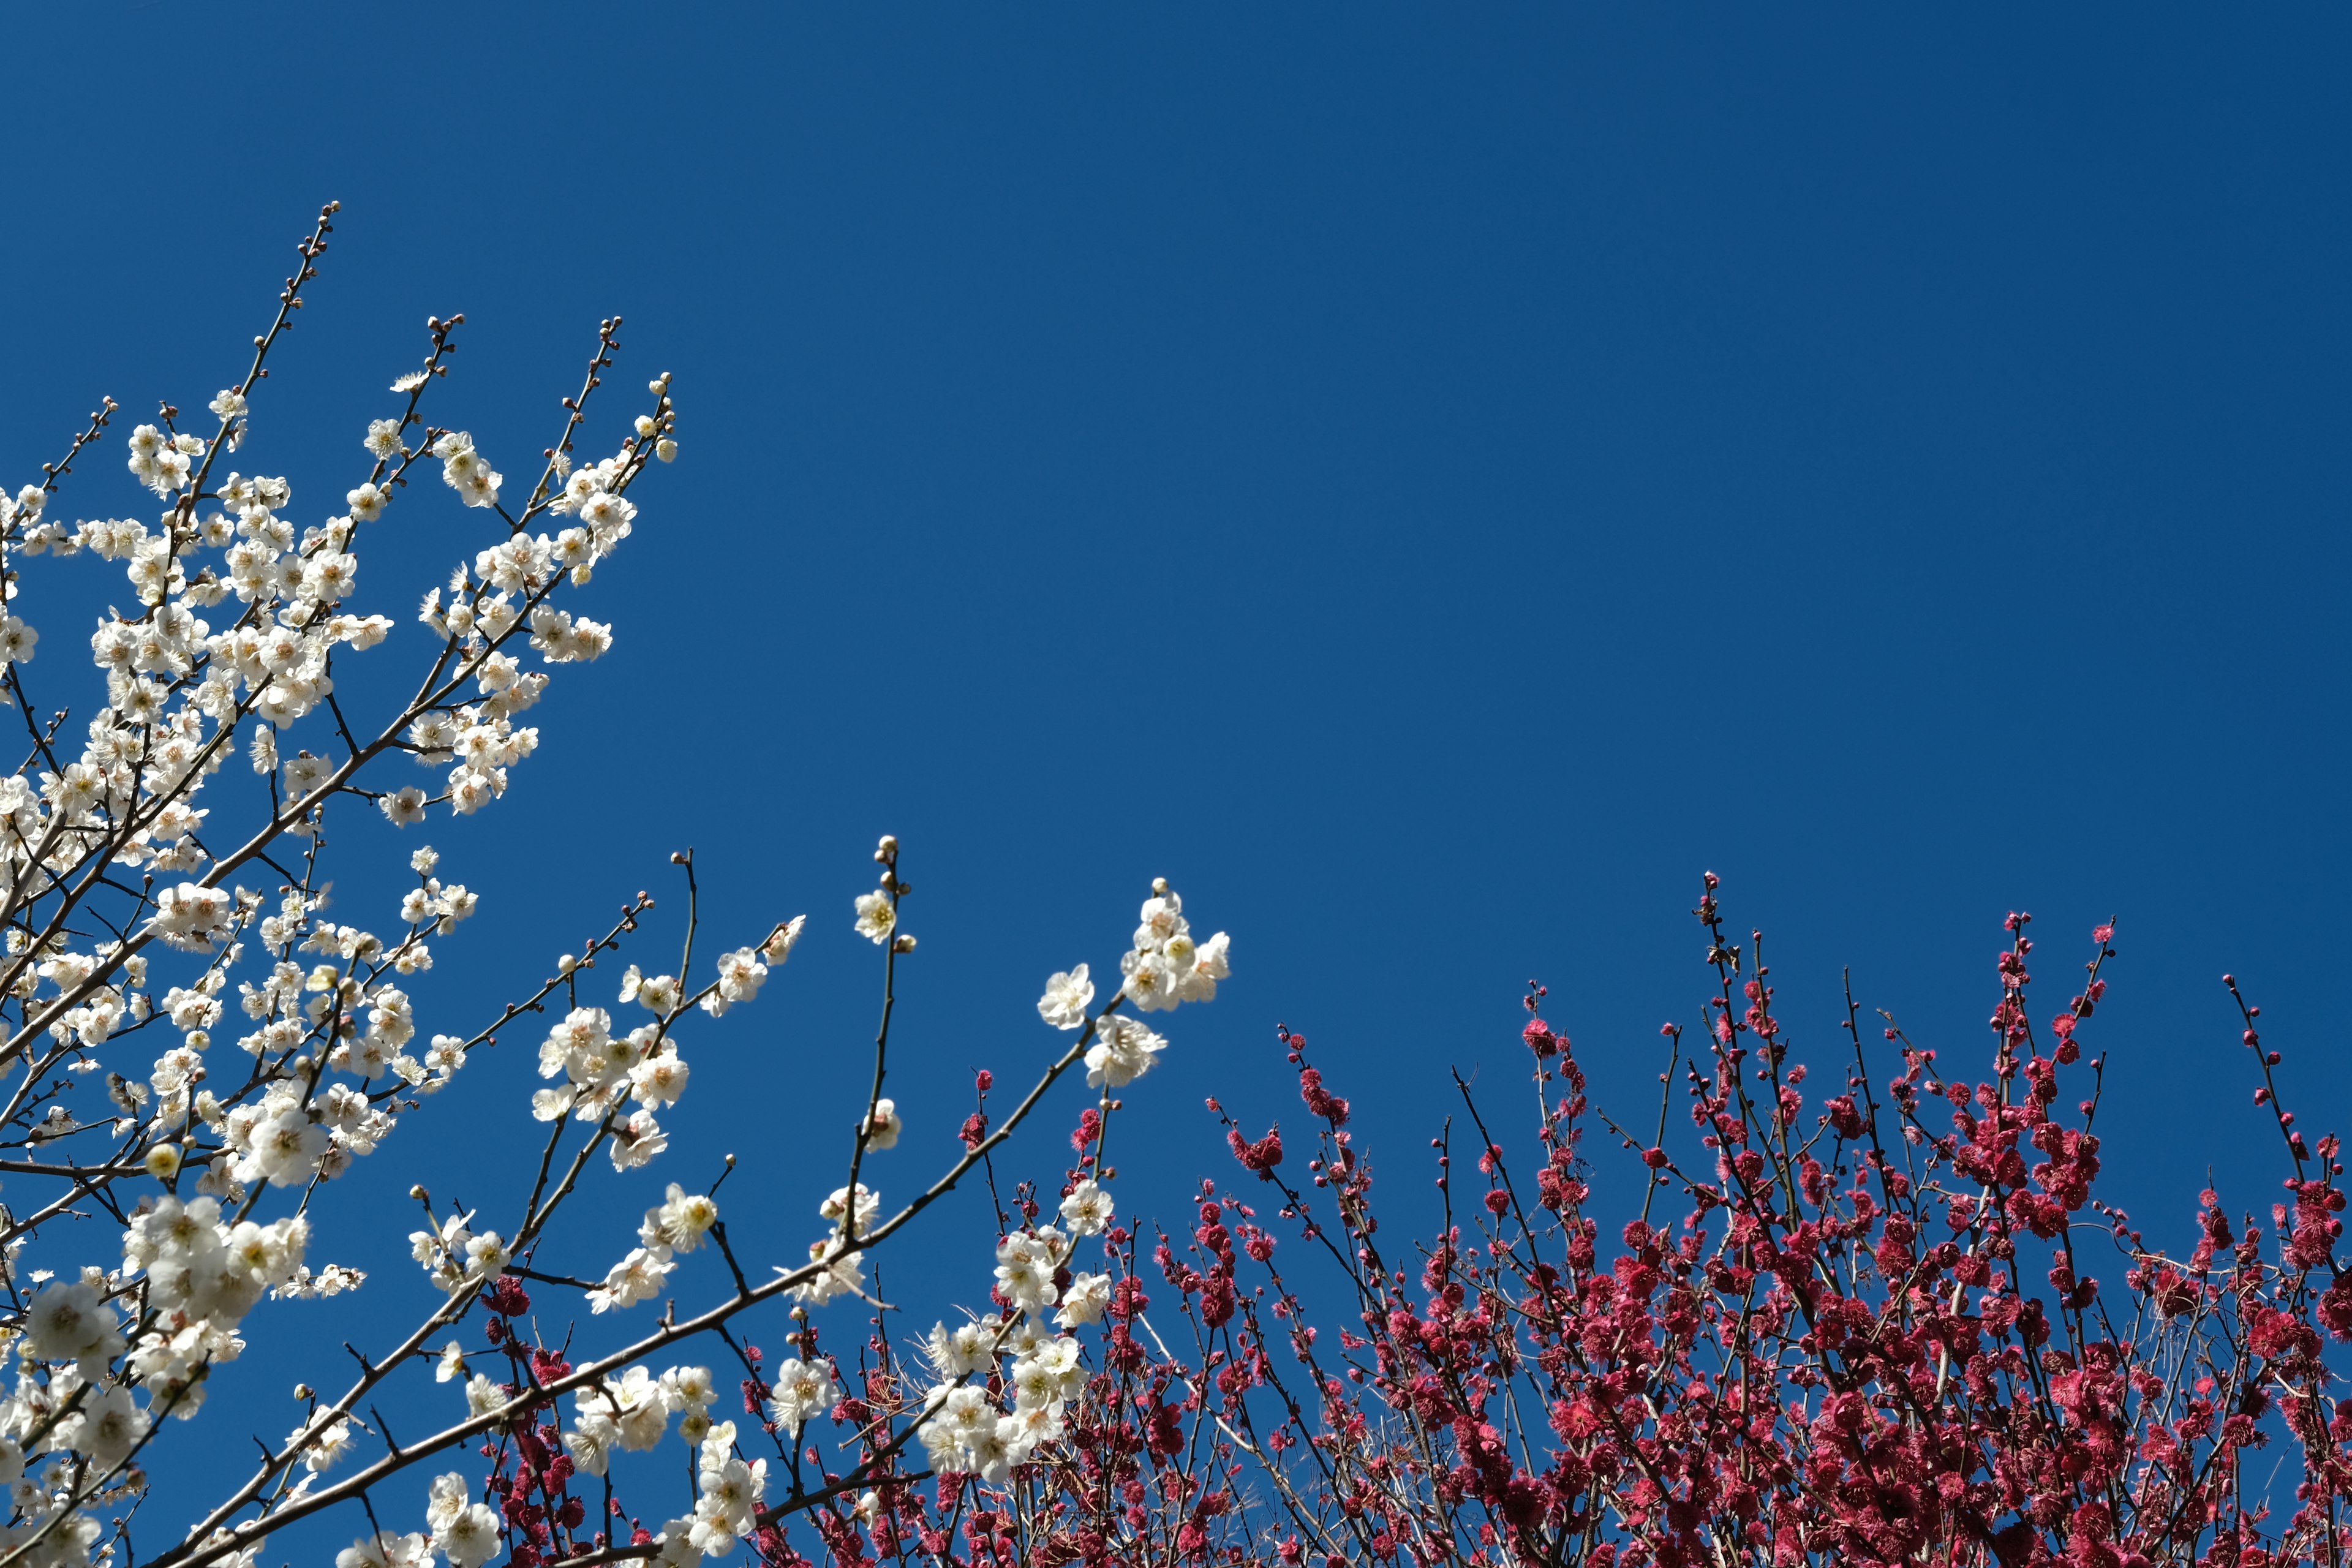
(1862, 1321)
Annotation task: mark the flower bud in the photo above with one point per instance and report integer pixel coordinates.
(666, 449)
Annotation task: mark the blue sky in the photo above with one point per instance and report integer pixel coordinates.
(1429, 483)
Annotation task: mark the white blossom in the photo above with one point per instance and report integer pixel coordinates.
(836, 1271)
(1122, 1052)
(465, 1532)
(960, 1352)
(1066, 999)
(70, 1323)
(882, 1126)
(780, 943)
(1084, 1301)
(803, 1390)
(741, 973)
(875, 918)
(1087, 1209)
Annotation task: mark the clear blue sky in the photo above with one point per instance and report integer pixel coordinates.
(1429, 481)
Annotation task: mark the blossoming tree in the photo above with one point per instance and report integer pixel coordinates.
(196, 1048)
(1853, 1328)
(1862, 1328)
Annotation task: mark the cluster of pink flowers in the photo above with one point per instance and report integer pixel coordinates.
(1866, 1326)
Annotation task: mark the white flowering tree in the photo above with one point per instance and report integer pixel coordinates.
(193, 1049)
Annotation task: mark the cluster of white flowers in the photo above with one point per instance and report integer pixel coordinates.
(1025, 1263)
(93, 1020)
(466, 471)
(631, 1413)
(603, 1069)
(1166, 966)
(433, 905)
(1122, 1052)
(48, 1532)
(459, 1528)
(121, 847)
(76, 1393)
(728, 1493)
(272, 662)
(965, 1431)
(656, 993)
(454, 1257)
(677, 1224)
(25, 508)
(465, 1532)
(477, 741)
(160, 459)
(300, 1126)
(1084, 1301)
(175, 690)
(242, 624)
(386, 1549)
(508, 587)
(840, 1269)
(204, 1274)
(189, 916)
(333, 1280)
(969, 1435)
